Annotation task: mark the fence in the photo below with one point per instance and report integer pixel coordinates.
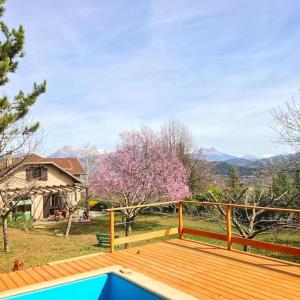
(181, 230)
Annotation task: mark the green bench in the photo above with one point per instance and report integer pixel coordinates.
(104, 239)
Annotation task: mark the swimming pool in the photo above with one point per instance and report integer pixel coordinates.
(107, 286)
(112, 283)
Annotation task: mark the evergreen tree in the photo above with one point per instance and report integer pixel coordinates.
(14, 131)
(297, 180)
(297, 188)
(284, 186)
(234, 188)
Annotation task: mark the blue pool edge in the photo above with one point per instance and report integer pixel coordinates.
(147, 283)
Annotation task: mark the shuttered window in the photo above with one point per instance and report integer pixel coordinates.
(36, 173)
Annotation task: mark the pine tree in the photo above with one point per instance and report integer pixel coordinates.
(297, 181)
(297, 188)
(14, 131)
(282, 183)
(234, 188)
(287, 187)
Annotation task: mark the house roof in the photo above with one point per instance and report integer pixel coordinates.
(70, 165)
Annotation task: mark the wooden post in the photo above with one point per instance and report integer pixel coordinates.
(112, 231)
(180, 220)
(228, 227)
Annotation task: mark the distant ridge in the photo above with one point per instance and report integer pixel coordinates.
(211, 154)
(221, 162)
(67, 151)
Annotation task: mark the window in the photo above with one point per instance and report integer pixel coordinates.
(36, 173)
(22, 208)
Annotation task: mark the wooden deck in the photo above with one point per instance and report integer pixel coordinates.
(204, 271)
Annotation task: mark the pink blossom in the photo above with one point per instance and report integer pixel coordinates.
(140, 171)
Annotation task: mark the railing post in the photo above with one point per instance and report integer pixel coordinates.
(180, 220)
(112, 231)
(228, 227)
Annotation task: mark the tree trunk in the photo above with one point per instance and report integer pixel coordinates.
(68, 225)
(174, 209)
(247, 248)
(128, 230)
(5, 234)
(87, 196)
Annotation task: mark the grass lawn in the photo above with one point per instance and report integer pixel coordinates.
(40, 246)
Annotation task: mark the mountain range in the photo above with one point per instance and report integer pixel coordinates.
(68, 151)
(209, 154)
(212, 154)
(246, 164)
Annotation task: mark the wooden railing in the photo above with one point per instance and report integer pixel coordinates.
(181, 230)
(143, 236)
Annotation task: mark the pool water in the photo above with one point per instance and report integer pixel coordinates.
(102, 287)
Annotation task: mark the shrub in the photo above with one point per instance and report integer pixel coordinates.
(21, 222)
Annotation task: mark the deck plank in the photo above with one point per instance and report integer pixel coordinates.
(36, 276)
(27, 278)
(63, 271)
(183, 280)
(44, 274)
(238, 269)
(191, 270)
(246, 260)
(7, 281)
(220, 274)
(202, 270)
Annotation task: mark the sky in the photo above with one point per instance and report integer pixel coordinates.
(218, 66)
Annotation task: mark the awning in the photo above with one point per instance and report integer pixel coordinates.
(23, 202)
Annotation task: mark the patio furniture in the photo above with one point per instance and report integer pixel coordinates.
(104, 239)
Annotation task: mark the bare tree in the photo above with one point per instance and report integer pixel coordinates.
(251, 222)
(287, 123)
(178, 140)
(10, 197)
(70, 199)
(89, 157)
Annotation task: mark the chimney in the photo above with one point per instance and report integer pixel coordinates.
(9, 159)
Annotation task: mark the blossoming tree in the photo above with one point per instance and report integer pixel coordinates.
(139, 172)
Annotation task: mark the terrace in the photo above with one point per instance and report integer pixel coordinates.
(202, 270)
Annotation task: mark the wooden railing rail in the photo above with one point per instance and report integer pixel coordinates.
(143, 236)
(181, 230)
(243, 206)
(155, 204)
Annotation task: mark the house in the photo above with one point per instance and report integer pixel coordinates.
(46, 178)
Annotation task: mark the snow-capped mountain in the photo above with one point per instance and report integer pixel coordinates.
(68, 151)
(211, 154)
